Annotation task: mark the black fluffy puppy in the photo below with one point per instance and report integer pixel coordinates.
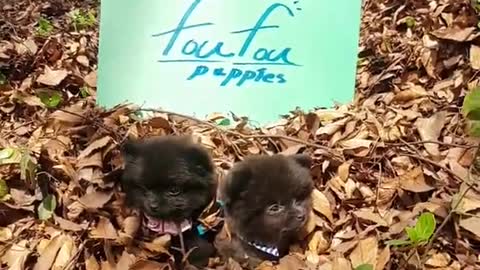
(171, 180)
(267, 203)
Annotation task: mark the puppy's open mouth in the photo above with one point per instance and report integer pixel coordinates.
(164, 226)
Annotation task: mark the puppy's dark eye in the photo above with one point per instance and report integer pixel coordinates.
(275, 209)
(173, 191)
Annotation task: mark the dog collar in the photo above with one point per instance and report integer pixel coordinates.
(264, 248)
(166, 227)
(270, 250)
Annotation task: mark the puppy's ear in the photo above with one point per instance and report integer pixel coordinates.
(303, 159)
(200, 157)
(236, 184)
(129, 148)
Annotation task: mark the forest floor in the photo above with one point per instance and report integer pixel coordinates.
(400, 150)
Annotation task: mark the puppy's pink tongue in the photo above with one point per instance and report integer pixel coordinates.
(163, 226)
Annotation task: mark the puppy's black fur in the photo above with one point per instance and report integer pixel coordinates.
(171, 178)
(267, 200)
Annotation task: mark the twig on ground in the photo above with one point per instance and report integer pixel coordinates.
(246, 136)
(182, 243)
(73, 259)
(426, 160)
(98, 124)
(404, 265)
(435, 142)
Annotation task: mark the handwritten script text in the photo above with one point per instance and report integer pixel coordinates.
(210, 53)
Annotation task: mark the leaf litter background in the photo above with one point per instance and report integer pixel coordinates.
(399, 150)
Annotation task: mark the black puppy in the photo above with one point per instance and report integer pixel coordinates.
(266, 204)
(171, 180)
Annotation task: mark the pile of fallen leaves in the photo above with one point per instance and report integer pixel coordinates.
(382, 164)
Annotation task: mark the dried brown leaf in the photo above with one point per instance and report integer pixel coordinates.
(468, 204)
(65, 254)
(30, 100)
(471, 224)
(72, 115)
(439, 260)
(318, 243)
(321, 204)
(96, 199)
(159, 122)
(356, 143)
(21, 197)
(91, 263)
(125, 261)
(344, 170)
(17, 255)
(104, 230)
(91, 79)
(365, 252)
(368, 214)
(159, 244)
(69, 225)
(456, 34)
(430, 129)
(331, 128)
(6, 234)
(429, 61)
(49, 253)
(340, 263)
(383, 258)
(130, 227)
(149, 265)
(52, 77)
(95, 145)
(414, 181)
(475, 56)
(91, 174)
(412, 93)
(93, 160)
(294, 149)
(291, 262)
(83, 60)
(27, 47)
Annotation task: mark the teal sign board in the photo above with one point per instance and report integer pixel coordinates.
(255, 58)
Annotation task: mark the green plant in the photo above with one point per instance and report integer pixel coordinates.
(82, 20)
(3, 190)
(471, 111)
(44, 28)
(420, 234)
(410, 21)
(476, 5)
(84, 92)
(364, 266)
(3, 79)
(46, 208)
(22, 157)
(10, 156)
(224, 122)
(50, 98)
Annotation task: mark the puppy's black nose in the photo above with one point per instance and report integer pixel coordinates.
(154, 206)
